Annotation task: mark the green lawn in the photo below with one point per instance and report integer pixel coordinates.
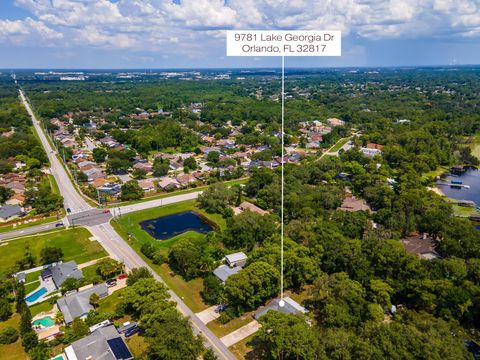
(339, 144)
(41, 307)
(129, 225)
(12, 351)
(241, 349)
(189, 291)
(138, 346)
(53, 184)
(89, 273)
(31, 286)
(220, 329)
(475, 145)
(75, 244)
(434, 173)
(32, 276)
(109, 304)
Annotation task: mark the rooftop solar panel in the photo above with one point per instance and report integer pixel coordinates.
(119, 349)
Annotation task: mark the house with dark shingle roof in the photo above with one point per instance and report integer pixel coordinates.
(78, 304)
(223, 272)
(290, 307)
(8, 212)
(102, 344)
(234, 263)
(60, 272)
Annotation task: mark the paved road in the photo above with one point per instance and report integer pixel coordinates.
(114, 244)
(72, 198)
(125, 209)
(28, 230)
(90, 217)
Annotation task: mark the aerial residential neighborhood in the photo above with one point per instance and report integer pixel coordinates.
(239, 180)
(102, 219)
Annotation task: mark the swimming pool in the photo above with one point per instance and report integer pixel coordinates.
(36, 295)
(46, 322)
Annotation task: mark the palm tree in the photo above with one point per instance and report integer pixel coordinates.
(94, 300)
(59, 318)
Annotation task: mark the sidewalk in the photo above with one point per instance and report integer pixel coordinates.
(90, 263)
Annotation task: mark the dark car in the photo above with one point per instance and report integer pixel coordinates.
(69, 210)
(111, 282)
(106, 211)
(220, 308)
(132, 331)
(60, 224)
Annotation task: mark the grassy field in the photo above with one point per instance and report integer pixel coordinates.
(12, 351)
(75, 244)
(128, 224)
(32, 276)
(31, 286)
(41, 307)
(475, 145)
(138, 346)
(339, 145)
(189, 291)
(434, 173)
(220, 329)
(241, 349)
(90, 272)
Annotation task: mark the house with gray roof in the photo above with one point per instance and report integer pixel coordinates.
(290, 307)
(60, 272)
(236, 259)
(103, 344)
(223, 272)
(8, 212)
(78, 304)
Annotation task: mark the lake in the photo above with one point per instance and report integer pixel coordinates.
(470, 177)
(166, 227)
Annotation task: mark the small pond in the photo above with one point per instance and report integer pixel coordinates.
(166, 227)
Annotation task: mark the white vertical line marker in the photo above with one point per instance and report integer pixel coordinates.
(282, 303)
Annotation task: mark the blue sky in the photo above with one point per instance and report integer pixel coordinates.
(190, 33)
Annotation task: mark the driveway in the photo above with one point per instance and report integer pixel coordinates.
(208, 315)
(121, 283)
(240, 334)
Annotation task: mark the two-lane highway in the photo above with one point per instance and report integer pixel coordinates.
(72, 199)
(109, 238)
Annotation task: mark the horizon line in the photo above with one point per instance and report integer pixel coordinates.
(246, 68)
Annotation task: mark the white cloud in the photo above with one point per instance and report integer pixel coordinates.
(19, 31)
(165, 25)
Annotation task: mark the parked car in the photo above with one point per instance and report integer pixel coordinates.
(111, 282)
(132, 331)
(220, 308)
(122, 276)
